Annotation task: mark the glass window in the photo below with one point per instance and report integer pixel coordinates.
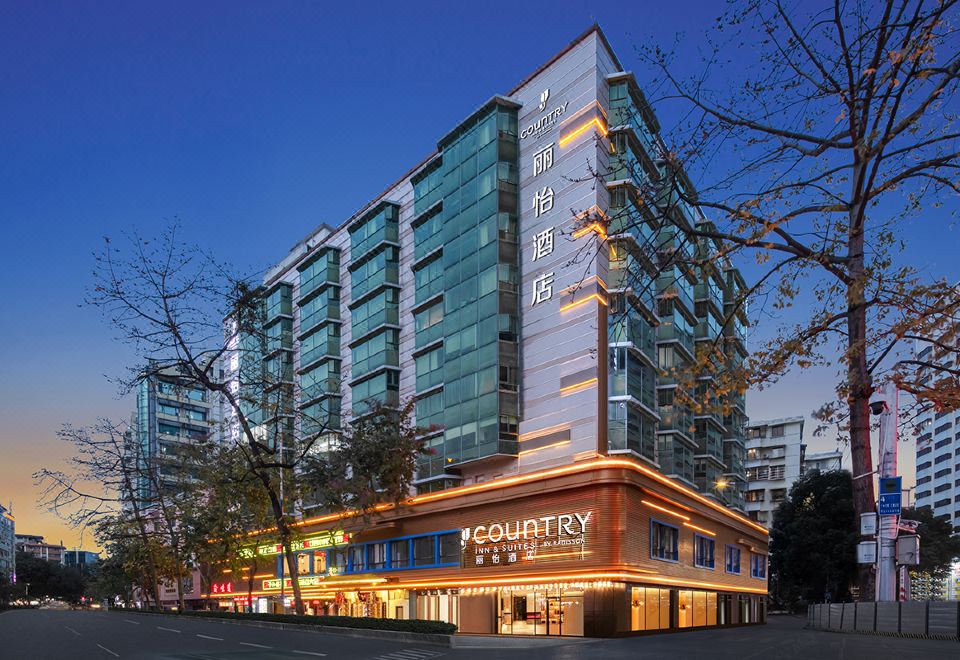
(650, 608)
(732, 562)
(400, 554)
(703, 548)
(376, 555)
(423, 551)
(357, 559)
(758, 566)
(664, 541)
(450, 548)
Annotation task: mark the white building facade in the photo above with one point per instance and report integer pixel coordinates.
(773, 464)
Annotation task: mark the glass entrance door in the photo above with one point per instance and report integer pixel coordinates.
(540, 612)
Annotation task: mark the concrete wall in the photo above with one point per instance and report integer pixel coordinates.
(913, 618)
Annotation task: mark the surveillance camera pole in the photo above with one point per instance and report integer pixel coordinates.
(887, 536)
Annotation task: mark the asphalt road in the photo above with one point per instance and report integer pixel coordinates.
(52, 634)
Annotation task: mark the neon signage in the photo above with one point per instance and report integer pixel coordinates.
(321, 540)
(561, 536)
(221, 588)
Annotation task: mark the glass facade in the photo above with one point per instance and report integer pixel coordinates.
(465, 244)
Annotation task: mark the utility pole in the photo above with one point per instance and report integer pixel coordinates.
(886, 407)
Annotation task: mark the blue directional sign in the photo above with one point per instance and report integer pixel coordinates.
(890, 494)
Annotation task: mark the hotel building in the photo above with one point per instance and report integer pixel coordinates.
(535, 314)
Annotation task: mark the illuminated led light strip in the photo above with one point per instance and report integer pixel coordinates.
(699, 529)
(667, 500)
(598, 464)
(577, 387)
(629, 575)
(550, 446)
(577, 303)
(572, 553)
(592, 227)
(580, 130)
(533, 435)
(666, 510)
(333, 585)
(227, 570)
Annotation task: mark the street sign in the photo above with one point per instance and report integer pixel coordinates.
(890, 496)
(889, 505)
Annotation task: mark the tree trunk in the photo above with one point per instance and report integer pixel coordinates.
(860, 384)
(292, 570)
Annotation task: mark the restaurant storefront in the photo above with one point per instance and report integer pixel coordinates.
(603, 548)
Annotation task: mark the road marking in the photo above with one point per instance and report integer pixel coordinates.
(219, 639)
(72, 630)
(115, 655)
(168, 629)
(259, 646)
(136, 623)
(408, 654)
(322, 655)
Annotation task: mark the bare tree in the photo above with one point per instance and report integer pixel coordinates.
(186, 312)
(102, 490)
(817, 160)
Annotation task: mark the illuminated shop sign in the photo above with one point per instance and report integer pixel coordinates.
(221, 588)
(304, 581)
(321, 540)
(545, 121)
(558, 537)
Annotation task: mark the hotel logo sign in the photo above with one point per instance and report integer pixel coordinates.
(546, 120)
(532, 540)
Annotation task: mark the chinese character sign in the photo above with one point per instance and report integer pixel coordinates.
(543, 244)
(542, 288)
(543, 160)
(542, 201)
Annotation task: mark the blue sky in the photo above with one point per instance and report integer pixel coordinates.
(253, 123)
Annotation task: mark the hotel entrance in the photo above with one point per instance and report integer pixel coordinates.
(540, 611)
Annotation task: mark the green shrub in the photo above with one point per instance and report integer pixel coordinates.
(369, 623)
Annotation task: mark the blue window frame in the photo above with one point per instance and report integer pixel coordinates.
(664, 541)
(758, 566)
(703, 551)
(732, 559)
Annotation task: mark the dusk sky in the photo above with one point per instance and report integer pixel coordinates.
(252, 123)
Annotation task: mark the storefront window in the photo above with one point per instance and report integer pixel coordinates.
(649, 609)
(696, 608)
(319, 562)
(303, 563)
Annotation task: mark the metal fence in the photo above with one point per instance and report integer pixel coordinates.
(934, 619)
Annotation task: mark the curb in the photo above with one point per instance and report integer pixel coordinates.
(394, 635)
(880, 633)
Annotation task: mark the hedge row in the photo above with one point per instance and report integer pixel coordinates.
(369, 623)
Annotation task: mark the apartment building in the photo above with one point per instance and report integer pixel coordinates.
(774, 459)
(36, 546)
(823, 461)
(938, 446)
(569, 489)
(8, 545)
(172, 418)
